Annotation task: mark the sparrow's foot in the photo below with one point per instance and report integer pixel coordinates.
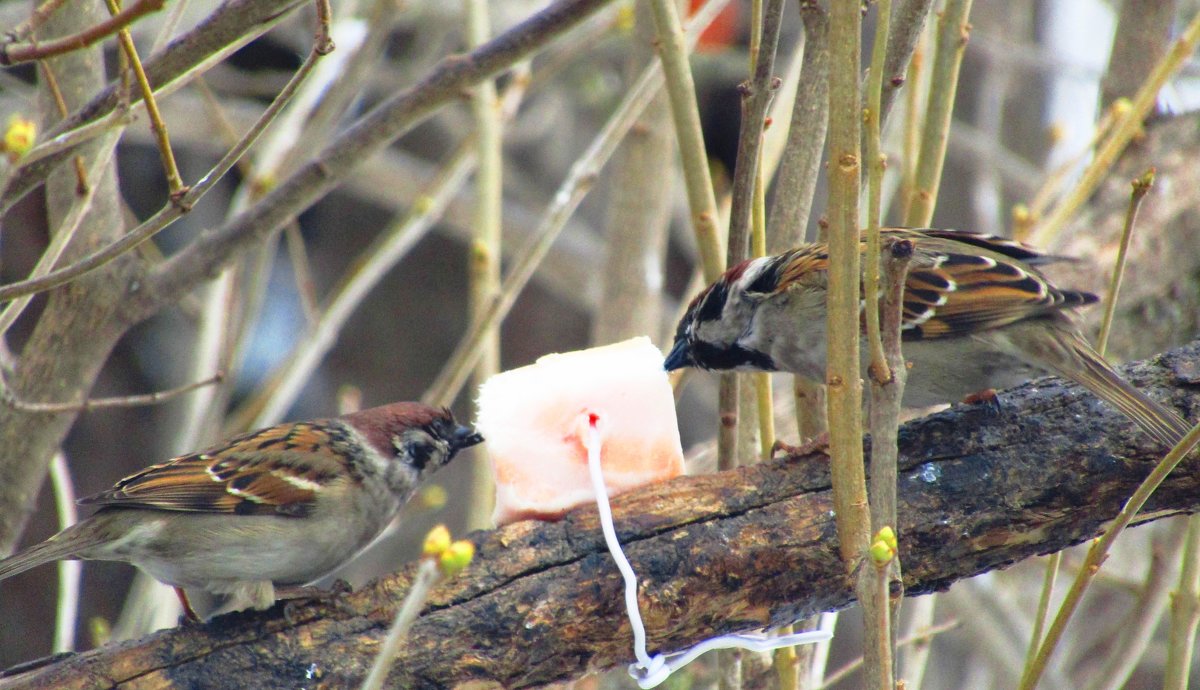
(294, 596)
(986, 397)
(189, 613)
(816, 444)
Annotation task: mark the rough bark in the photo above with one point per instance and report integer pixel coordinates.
(742, 549)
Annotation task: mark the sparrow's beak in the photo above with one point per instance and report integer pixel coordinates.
(680, 356)
(465, 437)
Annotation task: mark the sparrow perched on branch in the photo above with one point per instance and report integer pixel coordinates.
(285, 505)
(977, 315)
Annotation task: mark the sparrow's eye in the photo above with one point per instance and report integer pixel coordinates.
(418, 446)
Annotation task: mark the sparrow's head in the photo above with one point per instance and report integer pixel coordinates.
(717, 332)
(422, 437)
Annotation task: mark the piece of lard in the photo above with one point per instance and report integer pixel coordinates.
(533, 419)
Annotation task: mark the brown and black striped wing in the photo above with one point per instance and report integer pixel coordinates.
(277, 470)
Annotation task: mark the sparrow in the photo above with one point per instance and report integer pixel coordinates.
(282, 506)
(977, 315)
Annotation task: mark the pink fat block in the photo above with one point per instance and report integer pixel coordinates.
(535, 418)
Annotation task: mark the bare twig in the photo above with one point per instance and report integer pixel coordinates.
(844, 383)
(1145, 614)
(426, 577)
(66, 613)
(886, 394)
(485, 249)
(169, 213)
(572, 190)
(43, 12)
(1125, 130)
(681, 91)
(801, 164)
(1185, 612)
(40, 50)
(876, 164)
(174, 182)
(1141, 187)
(923, 637)
(374, 131)
(756, 100)
(103, 403)
(953, 33)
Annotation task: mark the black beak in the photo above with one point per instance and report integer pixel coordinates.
(680, 356)
(465, 437)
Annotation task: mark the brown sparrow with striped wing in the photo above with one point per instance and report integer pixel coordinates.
(282, 506)
(978, 315)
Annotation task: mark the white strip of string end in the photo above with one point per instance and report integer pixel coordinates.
(649, 671)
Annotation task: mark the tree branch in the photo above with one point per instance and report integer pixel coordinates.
(369, 135)
(743, 549)
(233, 23)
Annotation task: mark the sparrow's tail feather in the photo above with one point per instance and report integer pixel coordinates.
(65, 544)
(1153, 417)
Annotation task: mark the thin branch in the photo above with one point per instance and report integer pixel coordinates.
(426, 577)
(370, 134)
(570, 193)
(102, 403)
(232, 25)
(1144, 617)
(842, 321)
(40, 50)
(1125, 130)
(485, 249)
(800, 166)
(1141, 187)
(1185, 612)
(681, 92)
(66, 613)
(170, 213)
(922, 638)
(904, 34)
(953, 33)
(162, 139)
(43, 12)
(756, 96)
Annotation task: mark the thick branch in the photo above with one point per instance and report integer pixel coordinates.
(742, 549)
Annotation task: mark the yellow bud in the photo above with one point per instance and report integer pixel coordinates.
(432, 497)
(888, 536)
(19, 136)
(456, 557)
(626, 18)
(1121, 107)
(422, 204)
(881, 553)
(436, 542)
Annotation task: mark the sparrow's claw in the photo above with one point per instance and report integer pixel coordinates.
(295, 596)
(986, 397)
(816, 444)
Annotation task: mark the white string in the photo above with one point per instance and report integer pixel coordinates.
(650, 671)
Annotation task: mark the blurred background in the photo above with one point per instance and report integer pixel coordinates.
(1036, 79)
